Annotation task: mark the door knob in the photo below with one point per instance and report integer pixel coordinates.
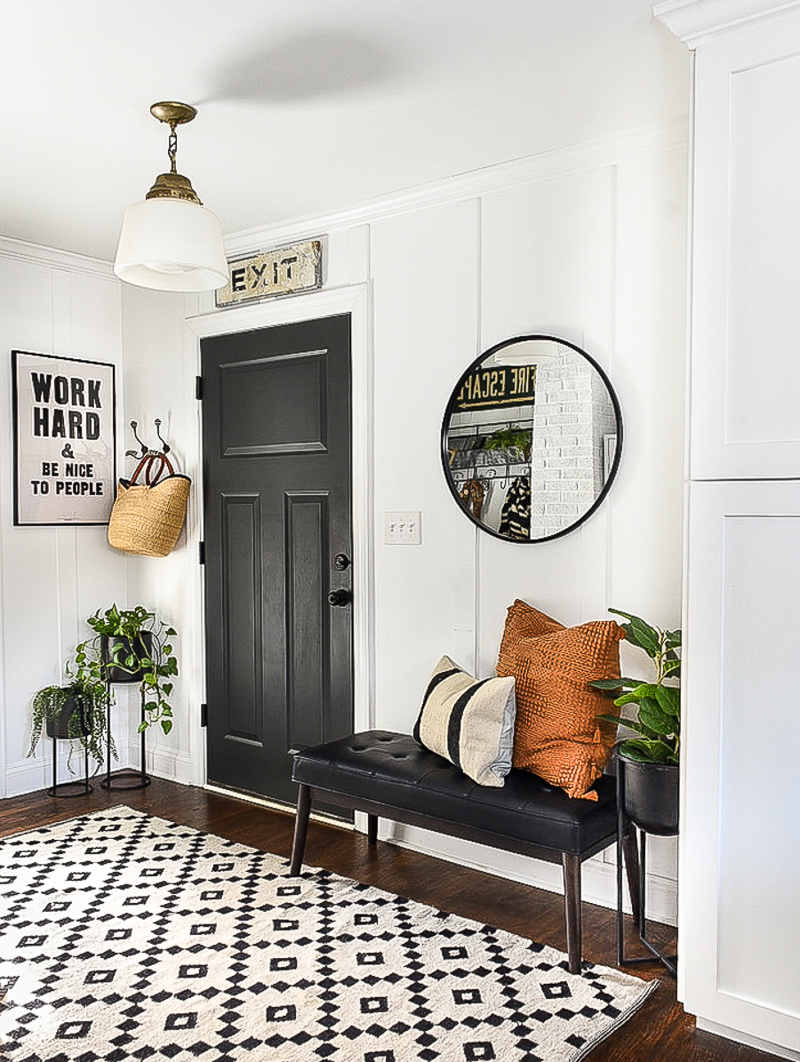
(340, 597)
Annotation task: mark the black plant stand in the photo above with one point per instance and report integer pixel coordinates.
(69, 789)
(624, 825)
(127, 778)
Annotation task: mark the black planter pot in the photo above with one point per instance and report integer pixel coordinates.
(119, 648)
(59, 727)
(651, 795)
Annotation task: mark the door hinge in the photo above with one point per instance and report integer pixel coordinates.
(201, 551)
(203, 715)
(198, 388)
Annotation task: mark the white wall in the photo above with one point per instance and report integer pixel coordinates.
(51, 578)
(589, 245)
(159, 375)
(586, 242)
(594, 255)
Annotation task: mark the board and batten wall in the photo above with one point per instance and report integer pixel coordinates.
(51, 578)
(590, 251)
(587, 243)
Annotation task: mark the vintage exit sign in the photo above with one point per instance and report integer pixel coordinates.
(488, 388)
(285, 271)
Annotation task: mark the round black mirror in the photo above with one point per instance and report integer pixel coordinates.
(531, 438)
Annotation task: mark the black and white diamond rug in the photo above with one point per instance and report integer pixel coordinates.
(127, 937)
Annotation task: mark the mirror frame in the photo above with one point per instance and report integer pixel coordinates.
(476, 364)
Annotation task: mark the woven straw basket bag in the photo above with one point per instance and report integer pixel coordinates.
(147, 518)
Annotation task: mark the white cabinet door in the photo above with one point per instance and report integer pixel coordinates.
(739, 865)
(745, 345)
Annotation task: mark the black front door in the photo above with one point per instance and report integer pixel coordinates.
(278, 534)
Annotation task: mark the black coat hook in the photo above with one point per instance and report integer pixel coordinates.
(134, 426)
(165, 448)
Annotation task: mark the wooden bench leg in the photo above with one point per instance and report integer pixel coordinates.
(372, 829)
(300, 828)
(572, 909)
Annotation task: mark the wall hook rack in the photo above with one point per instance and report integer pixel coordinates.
(144, 448)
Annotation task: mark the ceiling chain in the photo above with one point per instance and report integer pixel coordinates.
(172, 148)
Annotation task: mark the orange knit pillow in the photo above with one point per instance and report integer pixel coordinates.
(522, 621)
(558, 735)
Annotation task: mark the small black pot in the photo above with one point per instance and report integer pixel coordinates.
(651, 795)
(59, 727)
(141, 645)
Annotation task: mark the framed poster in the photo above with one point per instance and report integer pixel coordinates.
(64, 440)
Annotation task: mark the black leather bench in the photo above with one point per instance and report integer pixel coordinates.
(392, 776)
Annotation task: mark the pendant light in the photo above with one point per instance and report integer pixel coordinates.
(171, 241)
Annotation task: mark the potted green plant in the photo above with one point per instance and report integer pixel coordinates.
(651, 758)
(133, 645)
(76, 710)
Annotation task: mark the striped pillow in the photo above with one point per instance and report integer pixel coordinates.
(469, 722)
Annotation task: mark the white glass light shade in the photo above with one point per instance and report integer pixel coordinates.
(172, 245)
(526, 352)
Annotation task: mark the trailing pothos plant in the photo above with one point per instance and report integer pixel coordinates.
(657, 717)
(136, 642)
(87, 704)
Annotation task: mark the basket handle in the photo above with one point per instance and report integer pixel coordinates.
(152, 477)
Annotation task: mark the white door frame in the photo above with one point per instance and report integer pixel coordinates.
(355, 301)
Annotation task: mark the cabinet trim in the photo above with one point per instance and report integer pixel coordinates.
(697, 21)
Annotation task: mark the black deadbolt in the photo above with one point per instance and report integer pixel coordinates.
(341, 562)
(340, 597)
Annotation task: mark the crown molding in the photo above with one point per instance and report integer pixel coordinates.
(697, 21)
(55, 259)
(558, 162)
(552, 164)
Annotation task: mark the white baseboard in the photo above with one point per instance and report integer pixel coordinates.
(29, 776)
(599, 879)
(22, 778)
(172, 766)
(745, 1038)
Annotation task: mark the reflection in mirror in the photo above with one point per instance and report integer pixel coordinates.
(531, 438)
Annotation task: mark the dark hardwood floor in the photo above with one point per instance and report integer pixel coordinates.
(659, 1032)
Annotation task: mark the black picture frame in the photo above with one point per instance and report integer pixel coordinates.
(65, 440)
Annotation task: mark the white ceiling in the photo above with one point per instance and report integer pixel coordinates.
(305, 106)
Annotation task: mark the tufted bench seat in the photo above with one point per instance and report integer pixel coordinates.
(392, 776)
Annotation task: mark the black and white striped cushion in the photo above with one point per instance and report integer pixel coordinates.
(469, 722)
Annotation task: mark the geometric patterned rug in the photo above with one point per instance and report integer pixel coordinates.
(127, 937)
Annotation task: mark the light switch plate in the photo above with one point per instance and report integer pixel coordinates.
(402, 529)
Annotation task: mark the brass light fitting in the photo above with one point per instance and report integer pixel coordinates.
(173, 185)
